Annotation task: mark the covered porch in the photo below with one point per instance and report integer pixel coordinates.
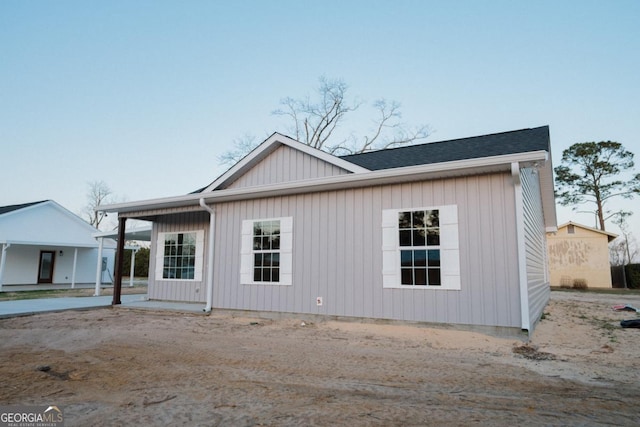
(138, 233)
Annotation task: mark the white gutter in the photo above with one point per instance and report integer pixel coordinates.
(521, 248)
(378, 177)
(212, 227)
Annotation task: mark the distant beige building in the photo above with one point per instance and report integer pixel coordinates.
(579, 254)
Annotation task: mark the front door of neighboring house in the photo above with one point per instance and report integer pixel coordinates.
(45, 271)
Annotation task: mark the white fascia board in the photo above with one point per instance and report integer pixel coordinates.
(269, 146)
(378, 177)
(55, 244)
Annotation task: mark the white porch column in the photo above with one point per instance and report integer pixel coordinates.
(99, 267)
(3, 261)
(133, 263)
(75, 264)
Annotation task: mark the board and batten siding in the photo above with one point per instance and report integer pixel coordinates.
(337, 254)
(535, 245)
(284, 165)
(178, 290)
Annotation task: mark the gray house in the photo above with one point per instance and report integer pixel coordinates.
(449, 232)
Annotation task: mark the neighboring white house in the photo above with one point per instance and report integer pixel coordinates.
(44, 243)
(449, 232)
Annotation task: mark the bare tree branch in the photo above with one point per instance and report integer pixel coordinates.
(316, 122)
(98, 193)
(242, 146)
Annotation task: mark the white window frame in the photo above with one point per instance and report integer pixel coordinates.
(449, 249)
(199, 256)
(286, 252)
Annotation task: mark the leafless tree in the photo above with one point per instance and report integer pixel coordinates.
(241, 147)
(316, 121)
(624, 249)
(98, 193)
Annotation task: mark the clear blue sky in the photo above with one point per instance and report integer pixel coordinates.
(145, 95)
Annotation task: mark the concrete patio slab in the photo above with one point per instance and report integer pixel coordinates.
(28, 307)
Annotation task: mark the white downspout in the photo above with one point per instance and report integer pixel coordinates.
(75, 264)
(212, 227)
(99, 267)
(522, 249)
(3, 261)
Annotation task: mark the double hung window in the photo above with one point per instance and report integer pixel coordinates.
(267, 251)
(420, 248)
(419, 241)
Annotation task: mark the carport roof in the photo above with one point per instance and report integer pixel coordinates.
(142, 233)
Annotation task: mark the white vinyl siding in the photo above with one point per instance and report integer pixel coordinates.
(337, 238)
(250, 253)
(535, 246)
(285, 165)
(448, 248)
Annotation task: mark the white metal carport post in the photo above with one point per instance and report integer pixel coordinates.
(3, 261)
(133, 264)
(99, 267)
(75, 264)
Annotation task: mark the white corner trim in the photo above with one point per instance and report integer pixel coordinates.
(521, 245)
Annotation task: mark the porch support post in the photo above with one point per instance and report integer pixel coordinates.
(117, 286)
(3, 261)
(99, 267)
(75, 264)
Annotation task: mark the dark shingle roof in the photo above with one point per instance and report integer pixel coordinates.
(11, 208)
(517, 141)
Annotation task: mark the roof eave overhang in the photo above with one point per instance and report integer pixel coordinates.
(452, 169)
(50, 244)
(610, 236)
(137, 233)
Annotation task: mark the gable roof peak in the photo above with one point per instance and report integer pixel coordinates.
(267, 147)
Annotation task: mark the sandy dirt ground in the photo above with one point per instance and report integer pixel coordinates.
(135, 367)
